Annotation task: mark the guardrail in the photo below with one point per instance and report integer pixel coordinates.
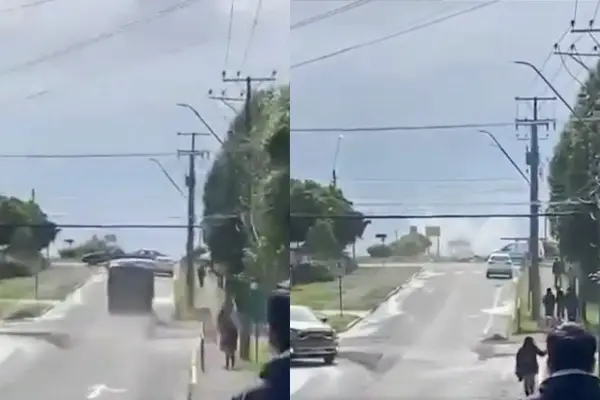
(197, 361)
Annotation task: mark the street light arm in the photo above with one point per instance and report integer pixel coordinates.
(508, 157)
(164, 171)
(549, 84)
(232, 108)
(197, 114)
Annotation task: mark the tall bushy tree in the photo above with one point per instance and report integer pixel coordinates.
(572, 180)
(246, 200)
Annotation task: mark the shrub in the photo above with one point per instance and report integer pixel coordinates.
(379, 251)
(68, 253)
(311, 272)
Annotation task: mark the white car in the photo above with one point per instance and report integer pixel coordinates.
(500, 265)
(311, 335)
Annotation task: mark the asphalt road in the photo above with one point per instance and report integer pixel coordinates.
(81, 352)
(426, 342)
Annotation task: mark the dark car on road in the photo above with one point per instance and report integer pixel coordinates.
(101, 257)
(130, 286)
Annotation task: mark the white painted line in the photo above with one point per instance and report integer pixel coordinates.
(96, 390)
(495, 304)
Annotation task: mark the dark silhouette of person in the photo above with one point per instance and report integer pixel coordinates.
(228, 333)
(558, 270)
(527, 366)
(549, 302)
(275, 375)
(571, 304)
(560, 304)
(571, 359)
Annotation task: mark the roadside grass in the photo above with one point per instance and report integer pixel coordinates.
(340, 322)
(16, 310)
(255, 365)
(362, 290)
(18, 295)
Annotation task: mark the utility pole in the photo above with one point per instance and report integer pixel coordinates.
(36, 275)
(190, 182)
(533, 161)
(247, 99)
(247, 94)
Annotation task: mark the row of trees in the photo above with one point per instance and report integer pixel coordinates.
(573, 181)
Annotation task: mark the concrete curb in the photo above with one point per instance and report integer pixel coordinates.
(385, 299)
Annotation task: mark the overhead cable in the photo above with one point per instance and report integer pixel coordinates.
(252, 33)
(395, 34)
(81, 45)
(328, 14)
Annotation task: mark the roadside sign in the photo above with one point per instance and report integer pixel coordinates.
(432, 231)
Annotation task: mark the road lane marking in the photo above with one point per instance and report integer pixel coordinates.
(96, 391)
(495, 305)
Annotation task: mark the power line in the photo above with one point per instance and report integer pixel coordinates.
(395, 128)
(421, 216)
(395, 34)
(252, 32)
(26, 6)
(405, 127)
(229, 31)
(329, 14)
(426, 180)
(89, 155)
(465, 203)
(78, 46)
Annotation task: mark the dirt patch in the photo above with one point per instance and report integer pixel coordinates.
(362, 290)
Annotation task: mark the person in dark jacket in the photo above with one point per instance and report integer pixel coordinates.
(527, 366)
(228, 333)
(571, 359)
(275, 375)
(558, 270)
(572, 304)
(560, 305)
(549, 302)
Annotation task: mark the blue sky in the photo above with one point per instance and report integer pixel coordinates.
(455, 72)
(116, 92)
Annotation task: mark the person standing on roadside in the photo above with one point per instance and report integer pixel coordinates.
(558, 271)
(275, 375)
(572, 304)
(560, 305)
(549, 302)
(228, 334)
(571, 360)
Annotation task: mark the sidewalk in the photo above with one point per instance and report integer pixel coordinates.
(218, 383)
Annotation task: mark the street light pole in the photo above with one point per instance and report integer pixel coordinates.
(168, 176)
(508, 157)
(335, 158)
(206, 125)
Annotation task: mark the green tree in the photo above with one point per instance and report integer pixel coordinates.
(246, 201)
(309, 197)
(321, 241)
(25, 225)
(411, 244)
(572, 180)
